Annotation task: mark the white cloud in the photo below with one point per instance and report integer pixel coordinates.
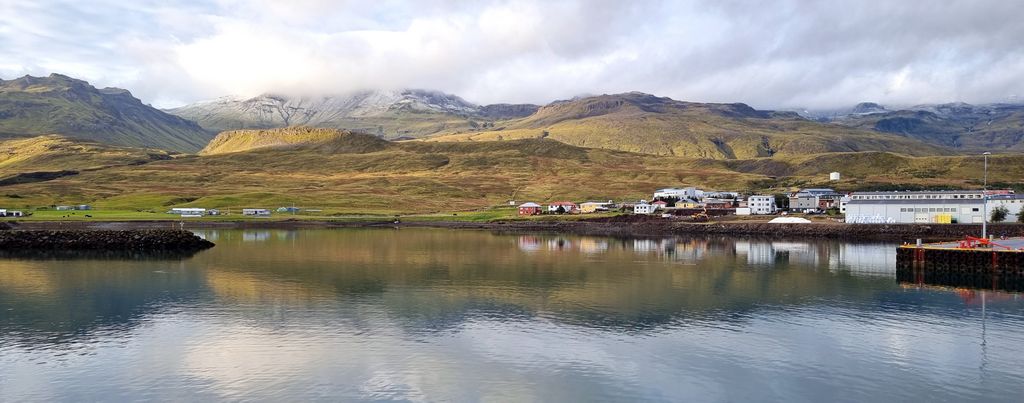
(778, 54)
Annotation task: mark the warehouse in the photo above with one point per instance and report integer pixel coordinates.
(943, 206)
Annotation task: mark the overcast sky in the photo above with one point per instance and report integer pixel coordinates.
(770, 54)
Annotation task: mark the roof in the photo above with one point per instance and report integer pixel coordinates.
(660, 202)
(529, 204)
(915, 192)
(916, 201)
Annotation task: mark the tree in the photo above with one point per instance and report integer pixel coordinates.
(560, 210)
(1020, 216)
(999, 214)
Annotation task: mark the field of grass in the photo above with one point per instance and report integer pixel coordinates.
(352, 175)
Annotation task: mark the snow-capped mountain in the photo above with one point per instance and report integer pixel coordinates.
(386, 113)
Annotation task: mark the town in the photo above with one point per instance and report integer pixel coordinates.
(694, 204)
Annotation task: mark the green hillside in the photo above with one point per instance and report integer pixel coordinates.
(62, 105)
(349, 173)
(647, 124)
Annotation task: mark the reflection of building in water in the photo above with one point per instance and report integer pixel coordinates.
(646, 245)
(799, 252)
(559, 244)
(255, 236)
(529, 243)
(286, 235)
(864, 258)
(209, 235)
(757, 253)
(593, 245)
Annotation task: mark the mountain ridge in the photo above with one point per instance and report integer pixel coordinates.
(58, 104)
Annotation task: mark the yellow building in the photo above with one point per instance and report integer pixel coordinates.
(592, 207)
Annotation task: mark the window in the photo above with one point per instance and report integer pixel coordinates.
(974, 209)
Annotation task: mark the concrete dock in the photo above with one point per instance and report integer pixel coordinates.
(996, 264)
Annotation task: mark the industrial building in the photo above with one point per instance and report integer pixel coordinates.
(940, 206)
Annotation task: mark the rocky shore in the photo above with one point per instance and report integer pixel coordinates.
(620, 226)
(102, 240)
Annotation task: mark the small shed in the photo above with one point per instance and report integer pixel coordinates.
(529, 208)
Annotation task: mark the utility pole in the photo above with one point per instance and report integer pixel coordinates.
(984, 199)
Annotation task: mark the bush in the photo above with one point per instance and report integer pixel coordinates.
(999, 214)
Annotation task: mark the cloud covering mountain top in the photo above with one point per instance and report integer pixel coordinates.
(770, 54)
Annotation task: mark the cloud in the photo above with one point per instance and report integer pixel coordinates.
(769, 54)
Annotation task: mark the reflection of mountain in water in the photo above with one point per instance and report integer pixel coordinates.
(438, 279)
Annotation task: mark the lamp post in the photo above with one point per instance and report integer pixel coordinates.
(984, 199)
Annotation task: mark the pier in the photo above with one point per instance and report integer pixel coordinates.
(972, 262)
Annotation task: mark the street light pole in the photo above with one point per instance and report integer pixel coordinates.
(984, 199)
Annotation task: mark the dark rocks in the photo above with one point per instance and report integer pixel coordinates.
(103, 240)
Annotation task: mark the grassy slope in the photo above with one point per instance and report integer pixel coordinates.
(646, 124)
(346, 173)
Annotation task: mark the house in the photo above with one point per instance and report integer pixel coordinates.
(593, 207)
(761, 204)
(563, 207)
(11, 213)
(719, 203)
(258, 212)
(815, 199)
(64, 208)
(187, 212)
(83, 207)
(644, 208)
(291, 210)
(529, 208)
(660, 205)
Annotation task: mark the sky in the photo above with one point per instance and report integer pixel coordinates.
(770, 54)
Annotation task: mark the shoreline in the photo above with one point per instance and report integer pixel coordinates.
(622, 226)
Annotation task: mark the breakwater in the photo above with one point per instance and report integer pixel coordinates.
(102, 240)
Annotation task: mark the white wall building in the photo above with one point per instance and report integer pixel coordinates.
(644, 208)
(262, 212)
(761, 204)
(691, 193)
(956, 206)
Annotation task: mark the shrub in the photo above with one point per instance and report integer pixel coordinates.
(999, 214)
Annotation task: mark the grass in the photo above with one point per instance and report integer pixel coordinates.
(433, 180)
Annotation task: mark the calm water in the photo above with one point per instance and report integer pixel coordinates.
(439, 315)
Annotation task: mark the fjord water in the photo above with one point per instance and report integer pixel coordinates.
(444, 315)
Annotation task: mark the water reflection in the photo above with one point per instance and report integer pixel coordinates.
(466, 316)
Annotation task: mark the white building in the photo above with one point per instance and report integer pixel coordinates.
(834, 177)
(761, 204)
(11, 213)
(644, 208)
(690, 193)
(942, 206)
(188, 211)
(260, 212)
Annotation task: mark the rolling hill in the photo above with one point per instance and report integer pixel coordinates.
(644, 123)
(347, 172)
(62, 105)
(388, 114)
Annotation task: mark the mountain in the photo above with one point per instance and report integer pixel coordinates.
(315, 139)
(962, 127)
(388, 114)
(63, 105)
(644, 123)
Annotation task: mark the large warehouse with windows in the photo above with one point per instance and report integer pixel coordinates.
(948, 206)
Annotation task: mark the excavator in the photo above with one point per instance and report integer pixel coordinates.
(701, 216)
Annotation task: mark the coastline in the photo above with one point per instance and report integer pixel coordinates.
(623, 226)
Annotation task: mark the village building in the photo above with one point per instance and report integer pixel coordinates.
(11, 213)
(529, 208)
(644, 208)
(813, 200)
(258, 212)
(939, 206)
(761, 204)
(187, 212)
(593, 207)
(566, 207)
